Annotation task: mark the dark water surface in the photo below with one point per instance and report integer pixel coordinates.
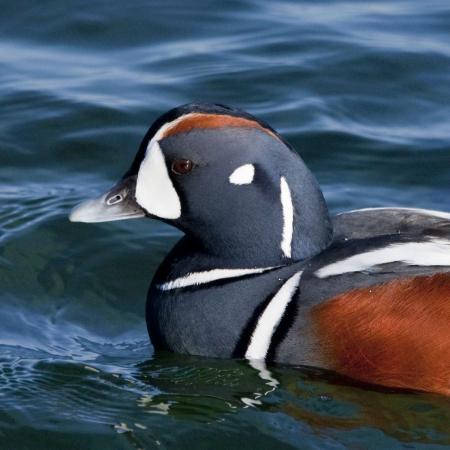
(362, 89)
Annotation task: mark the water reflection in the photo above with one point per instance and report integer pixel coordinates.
(208, 390)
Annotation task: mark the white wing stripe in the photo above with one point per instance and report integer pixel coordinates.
(426, 212)
(430, 253)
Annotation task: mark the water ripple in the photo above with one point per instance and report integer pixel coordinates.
(361, 89)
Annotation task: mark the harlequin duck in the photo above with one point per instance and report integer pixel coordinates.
(264, 273)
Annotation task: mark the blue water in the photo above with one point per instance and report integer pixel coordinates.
(361, 89)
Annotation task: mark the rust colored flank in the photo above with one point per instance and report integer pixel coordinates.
(395, 334)
(204, 121)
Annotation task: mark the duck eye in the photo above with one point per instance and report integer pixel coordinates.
(182, 166)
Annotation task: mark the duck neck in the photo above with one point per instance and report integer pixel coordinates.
(290, 227)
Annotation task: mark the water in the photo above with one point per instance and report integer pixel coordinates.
(361, 89)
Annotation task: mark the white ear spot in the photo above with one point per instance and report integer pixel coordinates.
(243, 175)
(154, 188)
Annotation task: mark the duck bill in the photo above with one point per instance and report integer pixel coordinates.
(116, 204)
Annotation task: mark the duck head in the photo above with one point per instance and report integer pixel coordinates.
(228, 181)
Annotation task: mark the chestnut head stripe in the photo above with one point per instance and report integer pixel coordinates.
(196, 120)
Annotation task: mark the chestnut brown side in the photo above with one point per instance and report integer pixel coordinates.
(396, 334)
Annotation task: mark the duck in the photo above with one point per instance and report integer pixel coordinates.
(265, 273)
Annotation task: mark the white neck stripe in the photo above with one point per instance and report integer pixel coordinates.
(288, 218)
(271, 318)
(208, 276)
(429, 253)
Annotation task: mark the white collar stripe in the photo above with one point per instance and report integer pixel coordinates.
(271, 318)
(288, 218)
(197, 278)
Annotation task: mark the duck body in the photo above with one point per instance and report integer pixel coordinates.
(264, 273)
(399, 324)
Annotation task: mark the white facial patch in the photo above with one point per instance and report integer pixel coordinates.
(430, 253)
(243, 175)
(154, 188)
(288, 217)
(271, 318)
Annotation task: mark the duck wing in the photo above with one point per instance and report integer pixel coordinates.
(373, 246)
(378, 299)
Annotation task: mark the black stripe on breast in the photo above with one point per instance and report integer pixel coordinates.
(283, 327)
(246, 334)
